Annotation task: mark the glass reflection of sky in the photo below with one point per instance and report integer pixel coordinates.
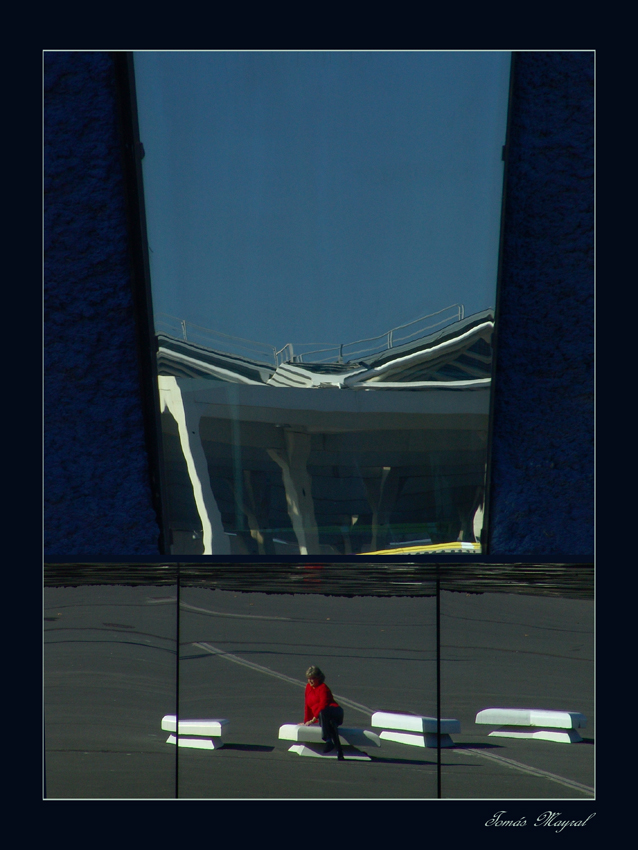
(291, 197)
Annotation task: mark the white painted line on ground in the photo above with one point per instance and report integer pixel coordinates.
(187, 607)
(534, 771)
(364, 709)
(258, 667)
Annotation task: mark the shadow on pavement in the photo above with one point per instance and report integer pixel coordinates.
(379, 760)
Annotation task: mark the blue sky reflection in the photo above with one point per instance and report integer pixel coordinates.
(321, 197)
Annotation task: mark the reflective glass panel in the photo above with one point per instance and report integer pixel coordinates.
(109, 678)
(323, 237)
(517, 671)
(243, 662)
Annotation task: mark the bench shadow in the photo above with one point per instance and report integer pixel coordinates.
(253, 748)
(354, 751)
(490, 746)
(480, 746)
(381, 760)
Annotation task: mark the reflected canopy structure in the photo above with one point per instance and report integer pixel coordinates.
(353, 198)
(398, 460)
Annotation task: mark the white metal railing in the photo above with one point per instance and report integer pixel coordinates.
(385, 341)
(299, 352)
(213, 340)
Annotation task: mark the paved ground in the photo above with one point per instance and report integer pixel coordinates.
(109, 679)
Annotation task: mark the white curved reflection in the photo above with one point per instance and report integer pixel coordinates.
(413, 415)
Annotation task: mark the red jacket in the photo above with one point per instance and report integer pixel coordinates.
(316, 700)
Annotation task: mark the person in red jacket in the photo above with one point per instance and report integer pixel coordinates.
(321, 707)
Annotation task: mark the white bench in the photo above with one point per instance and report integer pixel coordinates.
(559, 726)
(197, 734)
(308, 742)
(414, 729)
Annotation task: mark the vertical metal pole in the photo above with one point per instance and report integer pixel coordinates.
(177, 686)
(438, 687)
(233, 404)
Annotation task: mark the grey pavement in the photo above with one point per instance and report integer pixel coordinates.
(110, 668)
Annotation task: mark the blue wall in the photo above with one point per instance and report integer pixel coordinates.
(542, 471)
(98, 497)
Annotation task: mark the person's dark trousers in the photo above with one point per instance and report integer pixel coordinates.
(330, 718)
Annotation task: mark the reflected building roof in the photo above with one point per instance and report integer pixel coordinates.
(458, 356)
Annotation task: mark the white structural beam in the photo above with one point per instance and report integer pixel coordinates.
(298, 486)
(187, 416)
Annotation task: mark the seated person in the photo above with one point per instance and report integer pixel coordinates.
(320, 707)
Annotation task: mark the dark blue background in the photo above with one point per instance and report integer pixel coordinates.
(98, 496)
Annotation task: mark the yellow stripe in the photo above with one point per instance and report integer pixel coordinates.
(434, 547)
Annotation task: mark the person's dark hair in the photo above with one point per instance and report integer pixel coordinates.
(315, 673)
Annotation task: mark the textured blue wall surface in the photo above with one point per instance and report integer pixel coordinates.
(542, 462)
(98, 497)
(97, 491)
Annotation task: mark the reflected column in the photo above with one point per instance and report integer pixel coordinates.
(298, 485)
(187, 417)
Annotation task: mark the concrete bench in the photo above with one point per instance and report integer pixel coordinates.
(308, 742)
(544, 725)
(414, 729)
(197, 734)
